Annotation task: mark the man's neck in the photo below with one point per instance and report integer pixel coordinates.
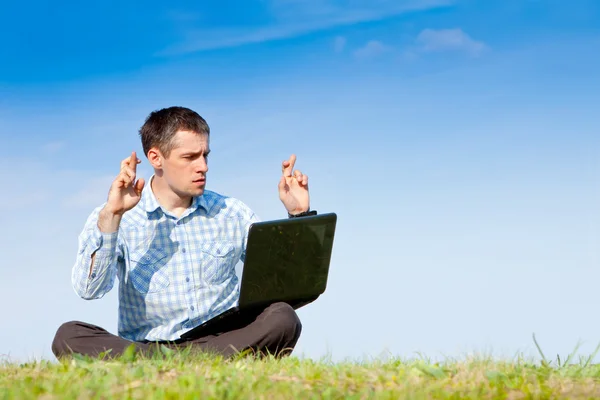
(169, 200)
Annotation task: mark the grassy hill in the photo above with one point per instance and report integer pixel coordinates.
(193, 376)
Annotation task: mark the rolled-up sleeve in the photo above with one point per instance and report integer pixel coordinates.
(96, 283)
(248, 217)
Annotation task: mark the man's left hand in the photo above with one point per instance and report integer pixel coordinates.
(293, 188)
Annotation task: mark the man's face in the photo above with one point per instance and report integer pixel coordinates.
(186, 167)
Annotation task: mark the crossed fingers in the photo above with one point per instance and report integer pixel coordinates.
(128, 170)
(288, 166)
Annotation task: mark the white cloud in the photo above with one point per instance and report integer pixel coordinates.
(180, 16)
(409, 55)
(26, 184)
(295, 18)
(371, 49)
(53, 147)
(339, 44)
(91, 195)
(292, 9)
(19, 201)
(431, 40)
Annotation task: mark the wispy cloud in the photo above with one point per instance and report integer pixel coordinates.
(293, 9)
(25, 199)
(181, 16)
(38, 183)
(431, 40)
(92, 194)
(27, 183)
(295, 18)
(339, 44)
(53, 147)
(371, 49)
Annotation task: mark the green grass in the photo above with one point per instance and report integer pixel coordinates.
(184, 375)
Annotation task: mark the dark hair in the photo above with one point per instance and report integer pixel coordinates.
(161, 126)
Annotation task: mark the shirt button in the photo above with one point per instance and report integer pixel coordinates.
(187, 279)
(93, 275)
(183, 249)
(192, 308)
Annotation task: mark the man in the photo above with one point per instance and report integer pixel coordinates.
(173, 246)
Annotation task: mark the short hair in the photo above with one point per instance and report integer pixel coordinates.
(160, 128)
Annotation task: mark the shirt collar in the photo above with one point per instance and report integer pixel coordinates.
(150, 204)
(199, 201)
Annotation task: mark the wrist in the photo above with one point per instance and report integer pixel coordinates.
(302, 213)
(108, 220)
(109, 211)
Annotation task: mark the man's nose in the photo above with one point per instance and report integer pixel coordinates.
(202, 165)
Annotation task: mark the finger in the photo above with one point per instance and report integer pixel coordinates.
(139, 186)
(130, 172)
(288, 165)
(125, 162)
(133, 161)
(119, 182)
(285, 168)
(305, 180)
(123, 180)
(298, 175)
(126, 177)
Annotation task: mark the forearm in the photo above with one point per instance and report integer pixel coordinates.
(108, 222)
(96, 265)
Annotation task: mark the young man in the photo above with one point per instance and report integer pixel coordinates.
(173, 246)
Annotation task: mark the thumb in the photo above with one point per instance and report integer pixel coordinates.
(139, 185)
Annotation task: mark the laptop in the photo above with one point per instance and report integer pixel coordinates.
(287, 261)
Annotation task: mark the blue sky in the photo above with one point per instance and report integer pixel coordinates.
(456, 140)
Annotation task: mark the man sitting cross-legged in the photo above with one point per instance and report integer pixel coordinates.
(173, 246)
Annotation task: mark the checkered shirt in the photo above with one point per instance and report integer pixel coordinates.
(174, 272)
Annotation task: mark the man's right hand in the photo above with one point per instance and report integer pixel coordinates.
(125, 192)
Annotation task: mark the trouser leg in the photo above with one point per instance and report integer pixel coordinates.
(275, 331)
(87, 339)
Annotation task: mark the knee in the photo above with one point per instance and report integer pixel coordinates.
(64, 335)
(284, 321)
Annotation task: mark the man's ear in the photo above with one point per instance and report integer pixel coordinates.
(155, 157)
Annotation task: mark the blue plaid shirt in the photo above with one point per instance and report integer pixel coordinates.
(174, 273)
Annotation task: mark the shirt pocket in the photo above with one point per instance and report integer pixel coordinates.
(217, 261)
(149, 272)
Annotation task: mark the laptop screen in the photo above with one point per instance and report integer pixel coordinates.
(287, 260)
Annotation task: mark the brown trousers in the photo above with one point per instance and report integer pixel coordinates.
(275, 331)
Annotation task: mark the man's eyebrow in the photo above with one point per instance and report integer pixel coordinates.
(195, 153)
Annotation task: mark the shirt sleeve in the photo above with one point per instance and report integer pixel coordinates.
(106, 246)
(249, 217)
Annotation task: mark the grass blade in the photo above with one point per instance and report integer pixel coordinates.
(590, 358)
(570, 356)
(545, 360)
